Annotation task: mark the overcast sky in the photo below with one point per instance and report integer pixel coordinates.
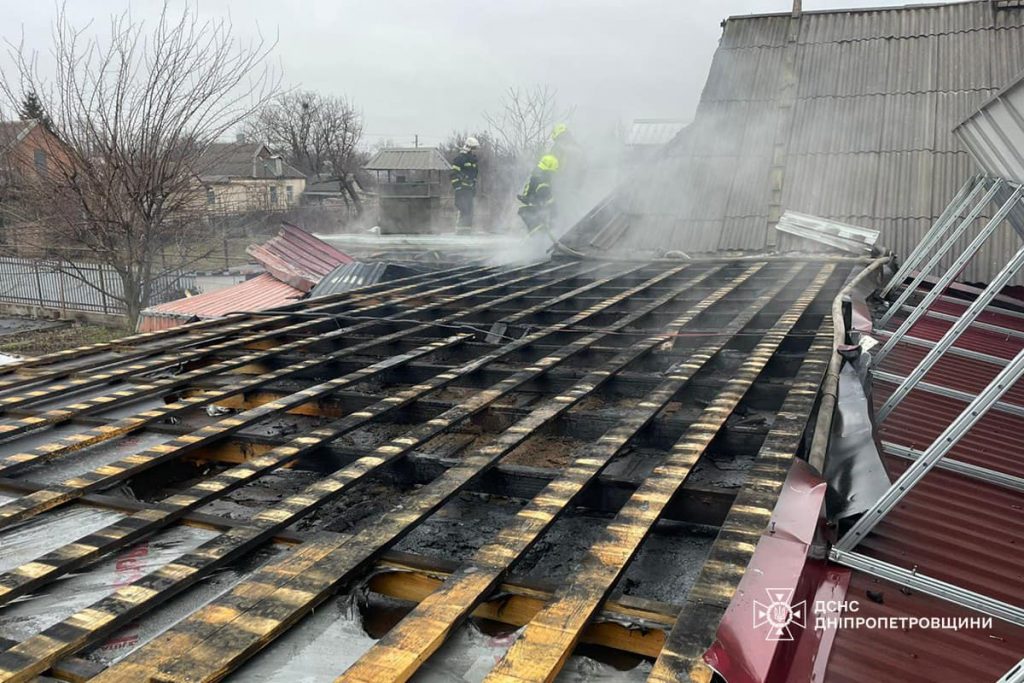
(432, 66)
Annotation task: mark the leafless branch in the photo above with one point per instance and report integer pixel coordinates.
(131, 114)
(318, 134)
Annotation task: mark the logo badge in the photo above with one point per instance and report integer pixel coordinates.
(779, 615)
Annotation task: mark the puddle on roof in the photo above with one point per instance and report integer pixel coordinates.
(336, 634)
(32, 614)
(50, 531)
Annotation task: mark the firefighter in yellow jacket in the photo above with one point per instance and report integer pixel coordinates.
(537, 198)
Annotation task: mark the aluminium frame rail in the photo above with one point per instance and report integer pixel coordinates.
(963, 198)
(945, 248)
(961, 261)
(934, 455)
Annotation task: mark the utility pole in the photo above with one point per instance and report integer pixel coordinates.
(417, 137)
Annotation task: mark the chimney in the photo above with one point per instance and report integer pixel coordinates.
(239, 137)
(798, 8)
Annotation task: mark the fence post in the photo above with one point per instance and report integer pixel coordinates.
(39, 283)
(60, 288)
(103, 287)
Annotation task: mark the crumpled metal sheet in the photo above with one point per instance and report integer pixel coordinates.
(841, 236)
(854, 470)
(742, 651)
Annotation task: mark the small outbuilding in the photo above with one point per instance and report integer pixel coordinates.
(414, 189)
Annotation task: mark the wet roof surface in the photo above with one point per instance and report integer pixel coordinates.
(426, 437)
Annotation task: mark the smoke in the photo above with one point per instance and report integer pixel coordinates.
(589, 172)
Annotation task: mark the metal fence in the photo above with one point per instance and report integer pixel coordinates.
(77, 286)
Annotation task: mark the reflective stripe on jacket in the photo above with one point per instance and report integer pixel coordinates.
(465, 168)
(537, 191)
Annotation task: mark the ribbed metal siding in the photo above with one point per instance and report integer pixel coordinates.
(878, 94)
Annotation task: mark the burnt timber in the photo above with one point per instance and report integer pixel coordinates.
(596, 389)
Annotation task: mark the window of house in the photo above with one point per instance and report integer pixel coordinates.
(40, 161)
(289, 194)
(211, 196)
(273, 195)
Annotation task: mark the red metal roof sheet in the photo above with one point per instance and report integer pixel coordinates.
(974, 339)
(955, 372)
(258, 294)
(957, 529)
(950, 527)
(861, 655)
(296, 257)
(919, 419)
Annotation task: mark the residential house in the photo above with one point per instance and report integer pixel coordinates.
(27, 148)
(241, 177)
(28, 152)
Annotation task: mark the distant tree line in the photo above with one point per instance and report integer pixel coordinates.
(317, 134)
(133, 113)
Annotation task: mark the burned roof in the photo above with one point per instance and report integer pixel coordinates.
(862, 123)
(408, 159)
(505, 429)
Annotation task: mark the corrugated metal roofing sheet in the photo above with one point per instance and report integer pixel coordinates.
(877, 94)
(646, 132)
(951, 527)
(910, 655)
(408, 159)
(297, 258)
(261, 293)
(354, 275)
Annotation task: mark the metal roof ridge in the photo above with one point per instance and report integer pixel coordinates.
(855, 10)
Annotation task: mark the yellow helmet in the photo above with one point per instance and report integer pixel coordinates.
(548, 162)
(559, 130)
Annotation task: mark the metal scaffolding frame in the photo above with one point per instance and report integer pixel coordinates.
(978, 306)
(1014, 675)
(948, 245)
(934, 235)
(920, 463)
(956, 430)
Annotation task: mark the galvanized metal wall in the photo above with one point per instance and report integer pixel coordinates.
(76, 286)
(851, 112)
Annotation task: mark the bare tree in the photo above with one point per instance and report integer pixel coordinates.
(523, 124)
(316, 133)
(132, 115)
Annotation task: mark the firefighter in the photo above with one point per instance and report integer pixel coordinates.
(562, 143)
(538, 201)
(465, 168)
